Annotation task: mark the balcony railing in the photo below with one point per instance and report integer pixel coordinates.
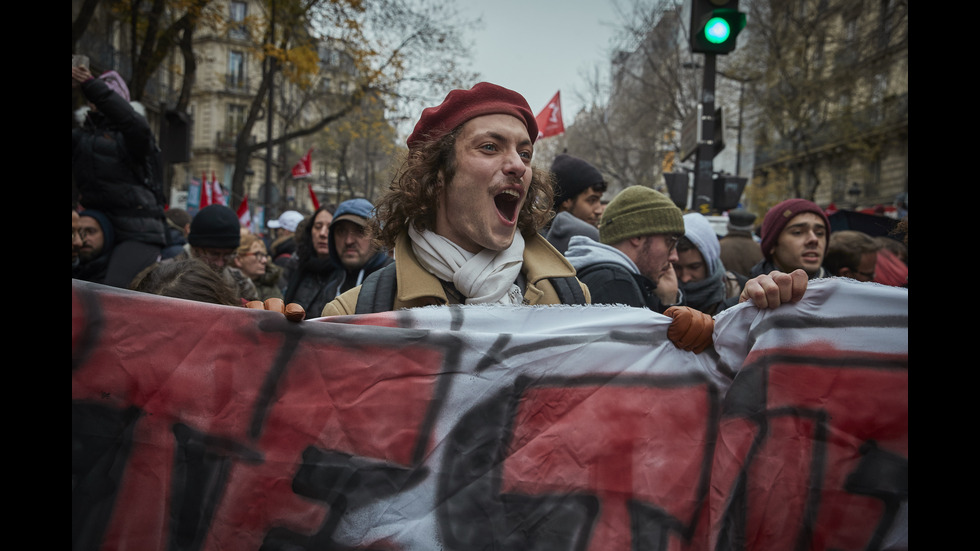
(236, 82)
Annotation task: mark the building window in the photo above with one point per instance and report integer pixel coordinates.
(235, 120)
(851, 31)
(239, 10)
(236, 70)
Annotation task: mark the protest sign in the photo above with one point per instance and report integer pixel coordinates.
(197, 426)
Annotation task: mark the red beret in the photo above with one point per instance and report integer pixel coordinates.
(777, 217)
(463, 105)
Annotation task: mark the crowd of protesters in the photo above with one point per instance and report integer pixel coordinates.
(637, 249)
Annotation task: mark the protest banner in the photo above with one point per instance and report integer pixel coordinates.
(197, 426)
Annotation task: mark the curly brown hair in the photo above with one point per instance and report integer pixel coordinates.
(413, 194)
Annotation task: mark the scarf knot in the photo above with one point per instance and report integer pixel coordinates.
(486, 277)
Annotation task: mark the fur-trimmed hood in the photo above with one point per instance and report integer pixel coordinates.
(81, 114)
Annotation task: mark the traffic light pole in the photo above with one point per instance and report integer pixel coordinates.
(704, 160)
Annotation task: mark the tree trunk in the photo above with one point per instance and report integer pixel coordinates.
(80, 24)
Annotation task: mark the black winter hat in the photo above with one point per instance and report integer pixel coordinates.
(573, 176)
(215, 227)
(740, 220)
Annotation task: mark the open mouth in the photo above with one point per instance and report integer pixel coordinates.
(508, 203)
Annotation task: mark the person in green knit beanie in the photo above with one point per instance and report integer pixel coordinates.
(631, 263)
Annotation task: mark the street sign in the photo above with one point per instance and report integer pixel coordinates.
(719, 133)
(691, 133)
(691, 136)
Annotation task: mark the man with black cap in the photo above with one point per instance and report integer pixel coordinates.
(214, 238)
(739, 250)
(578, 200)
(578, 188)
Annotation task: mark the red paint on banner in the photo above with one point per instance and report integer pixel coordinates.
(820, 420)
(222, 381)
(643, 443)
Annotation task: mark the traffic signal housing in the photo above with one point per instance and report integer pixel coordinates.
(727, 191)
(678, 187)
(715, 25)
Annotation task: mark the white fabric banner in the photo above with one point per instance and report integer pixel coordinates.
(208, 427)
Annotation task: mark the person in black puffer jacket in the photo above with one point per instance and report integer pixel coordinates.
(111, 152)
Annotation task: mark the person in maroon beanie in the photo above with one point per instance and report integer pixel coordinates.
(794, 236)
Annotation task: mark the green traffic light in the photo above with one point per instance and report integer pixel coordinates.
(717, 30)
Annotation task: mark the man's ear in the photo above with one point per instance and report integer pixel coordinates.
(566, 205)
(845, 272)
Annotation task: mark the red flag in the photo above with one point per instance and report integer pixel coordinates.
(304, 168)
(244, 216)
(205, 191)
(549, 119)
(316, 202)
(217, 192)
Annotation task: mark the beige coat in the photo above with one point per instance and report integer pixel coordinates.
(417, 287)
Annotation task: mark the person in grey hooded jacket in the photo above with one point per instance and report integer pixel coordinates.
(706, 284)
(564, 226)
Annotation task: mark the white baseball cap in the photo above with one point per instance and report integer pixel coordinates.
(287, 221)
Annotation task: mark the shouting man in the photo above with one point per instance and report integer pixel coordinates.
(463, 213)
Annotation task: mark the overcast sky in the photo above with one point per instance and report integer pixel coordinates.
(538, 47)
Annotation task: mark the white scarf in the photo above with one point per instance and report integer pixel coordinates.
(484, 278)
